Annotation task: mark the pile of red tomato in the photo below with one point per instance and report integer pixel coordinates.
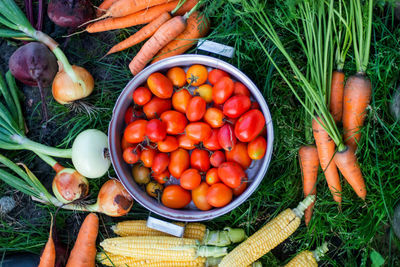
(206, 137)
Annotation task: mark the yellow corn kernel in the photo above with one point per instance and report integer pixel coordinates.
(303, 259)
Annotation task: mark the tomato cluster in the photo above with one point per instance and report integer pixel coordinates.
(206, 137)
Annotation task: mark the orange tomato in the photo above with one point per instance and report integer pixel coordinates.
(217, 158)
(181, 99)
(179, 162)
(219, 195)
(198, 131)
(199, 197)
(131, 155)
(186, 143)
(160, 163)
(169, 144)
(212, 176)
(175, 197)
(177, 76)
(205, 92)
(196, 109)
(212, 143)
(161, 178)
(190, 179)
(200, 160)
(214, 117)
(156, 107)
(135, 132)
(141, 96)
(231, 174)
(175, 121)
(239, 155)
(160, 85)
(147, 156)
(240, 189)
(222, 90)
(196, 75)
(125, 144)
(216, 74)
(257, 147)
(240, 89)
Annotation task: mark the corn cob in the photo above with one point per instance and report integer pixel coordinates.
(268, 237)
(307, 258)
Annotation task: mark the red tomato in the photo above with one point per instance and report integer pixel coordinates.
(236, 106)
(160, 163)
(200, 160)
(125, 144)
(217, 158)
(219, 195)
(196, 109)
(240, 189)
(240, 89)
(131, 155)
(147, 156)
(141, 96)
(257, 147)
(222, 90)
(255, 105)
(132, 115)
(198, 131)
(180, 100)
(190, 179)
(214, 117)
(175, 121)
(177, 76)
(196, 75)
(239, 155)
(179, 162)
(215, 75)
(212, 176)
(156, 107)
(156, 130)
(231, 174)
(226, 137)
(169, 144)
(175, 197)
(199, 197)
(205, 92)
(135, 132)
(249, 125)
(186, 143)
(161, 178)
(212, 142)
(160, 85)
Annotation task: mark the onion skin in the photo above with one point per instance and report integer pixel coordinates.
(70, 13)
(65, 91)
(113, 199)
(69, 185)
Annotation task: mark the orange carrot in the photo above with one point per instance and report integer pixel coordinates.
(309, 163)
(48, 258)
(123, 8)
(197, 27)
(347, 163)
(357, 94)
(83, 253)
(336, 103)
(141, 17)
(326, 151)
(104, 6)
(142, 34)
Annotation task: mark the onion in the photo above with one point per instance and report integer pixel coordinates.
(90, 153)
(69, 185)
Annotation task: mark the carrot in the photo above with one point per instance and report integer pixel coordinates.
(104, 6)
(309, 163)
(336, 103)
(83, 253)
(142, 34)
(138, 18)
(48, 258)
(197, 27)
(357, 94)
(123, 8)
(347, 163)
(326, 151)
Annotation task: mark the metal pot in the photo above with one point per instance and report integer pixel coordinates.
(255, 173)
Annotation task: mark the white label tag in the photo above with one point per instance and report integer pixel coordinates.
(216, 48)
(165, 227)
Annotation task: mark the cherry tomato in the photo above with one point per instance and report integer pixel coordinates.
(226, 137)
(215, 75)
(190, 179)
(222, 90)
(186, 143)
(147, 156)
(239, 155)
(160, 163)
(132, 115)
(255, 105)
(200, 160)
(214, 117)
(175, 197)
(205, 92)
(257, 147)
(196, 75)
(196, 109)
(219, 195)
(177, 76)
(161, 178)
(217, 158)
(141, 96)
(249, 125)
(240, 189)
(175, 121)
(125, 144)
(212, 142)
(199, 197)
(198, 131)
(156, 107)
(131, 155)
(154, 189)
(169, 144)
(179, 162)
(236, 106)
(180, 100)
(135, 132)
(160, 85)
(240, 89)
(212, 176)
(231, 174)
(156, 130)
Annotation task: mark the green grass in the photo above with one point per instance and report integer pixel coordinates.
(353, 232)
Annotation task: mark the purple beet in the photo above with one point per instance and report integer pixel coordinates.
(70, 13)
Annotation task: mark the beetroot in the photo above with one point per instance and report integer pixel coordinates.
(70, 13)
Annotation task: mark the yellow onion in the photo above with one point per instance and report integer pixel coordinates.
(69, 185)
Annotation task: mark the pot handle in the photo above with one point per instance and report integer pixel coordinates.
(216, 48)
(165, 227)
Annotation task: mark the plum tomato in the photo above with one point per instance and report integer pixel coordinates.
(175, 121)
(190, 179)
(140, 174)
(257, 147)
(154, 189)
(212, 176)
(200, 160)
(198, 131)
(147, 156)
(199, 197)
(160, 163)
(141, 96)
(161, 178)
(177, 76)
(214, 117)
(181, 99)
(240, 89)
(169, 144)
(205, 92)
(179, 162)
(125, 144)
(212, 142)
(239, 155)
(131, 155)
(156, 107)
(219, 195)
(222, 90)
(175, 197)
(226, 137)
(236, 106)
(255, 105)
(217, 158)
(240, 189)
(249, 125)
(132, 115)
(156, 130)
(196, 109)
(160, 85)
(196, 75)
(216, 74)
(186, 143)
(135, 132)
(231, 174)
